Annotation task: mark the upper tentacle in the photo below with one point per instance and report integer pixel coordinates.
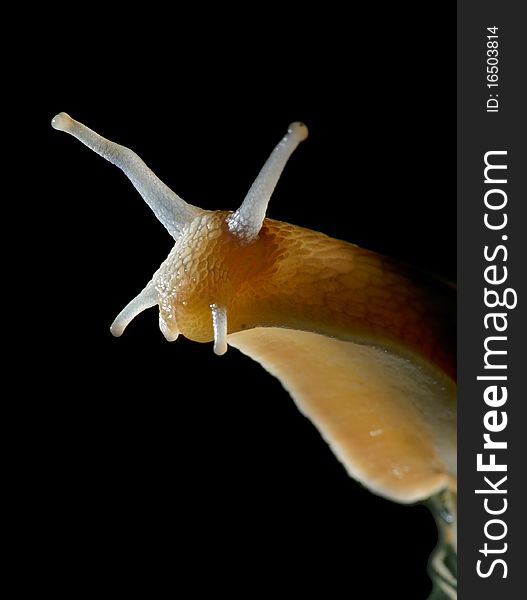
(172, 211)
(247, 221)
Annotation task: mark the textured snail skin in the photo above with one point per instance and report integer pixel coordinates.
(364, 345)
(297, 278)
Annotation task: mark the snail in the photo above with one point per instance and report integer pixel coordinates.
(364, 345)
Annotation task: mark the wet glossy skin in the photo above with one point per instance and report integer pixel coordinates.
(364, 345)
(298, 278)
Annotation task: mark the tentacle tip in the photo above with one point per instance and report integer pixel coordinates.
(219, 326)
(220, 348)
(116, 329)
(298, 130)
(62, 122)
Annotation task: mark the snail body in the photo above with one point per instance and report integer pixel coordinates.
(364, 345)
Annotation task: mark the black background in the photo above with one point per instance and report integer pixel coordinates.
(161, 465)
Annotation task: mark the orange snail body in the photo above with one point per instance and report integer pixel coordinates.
(297, 278)
(364, 345)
